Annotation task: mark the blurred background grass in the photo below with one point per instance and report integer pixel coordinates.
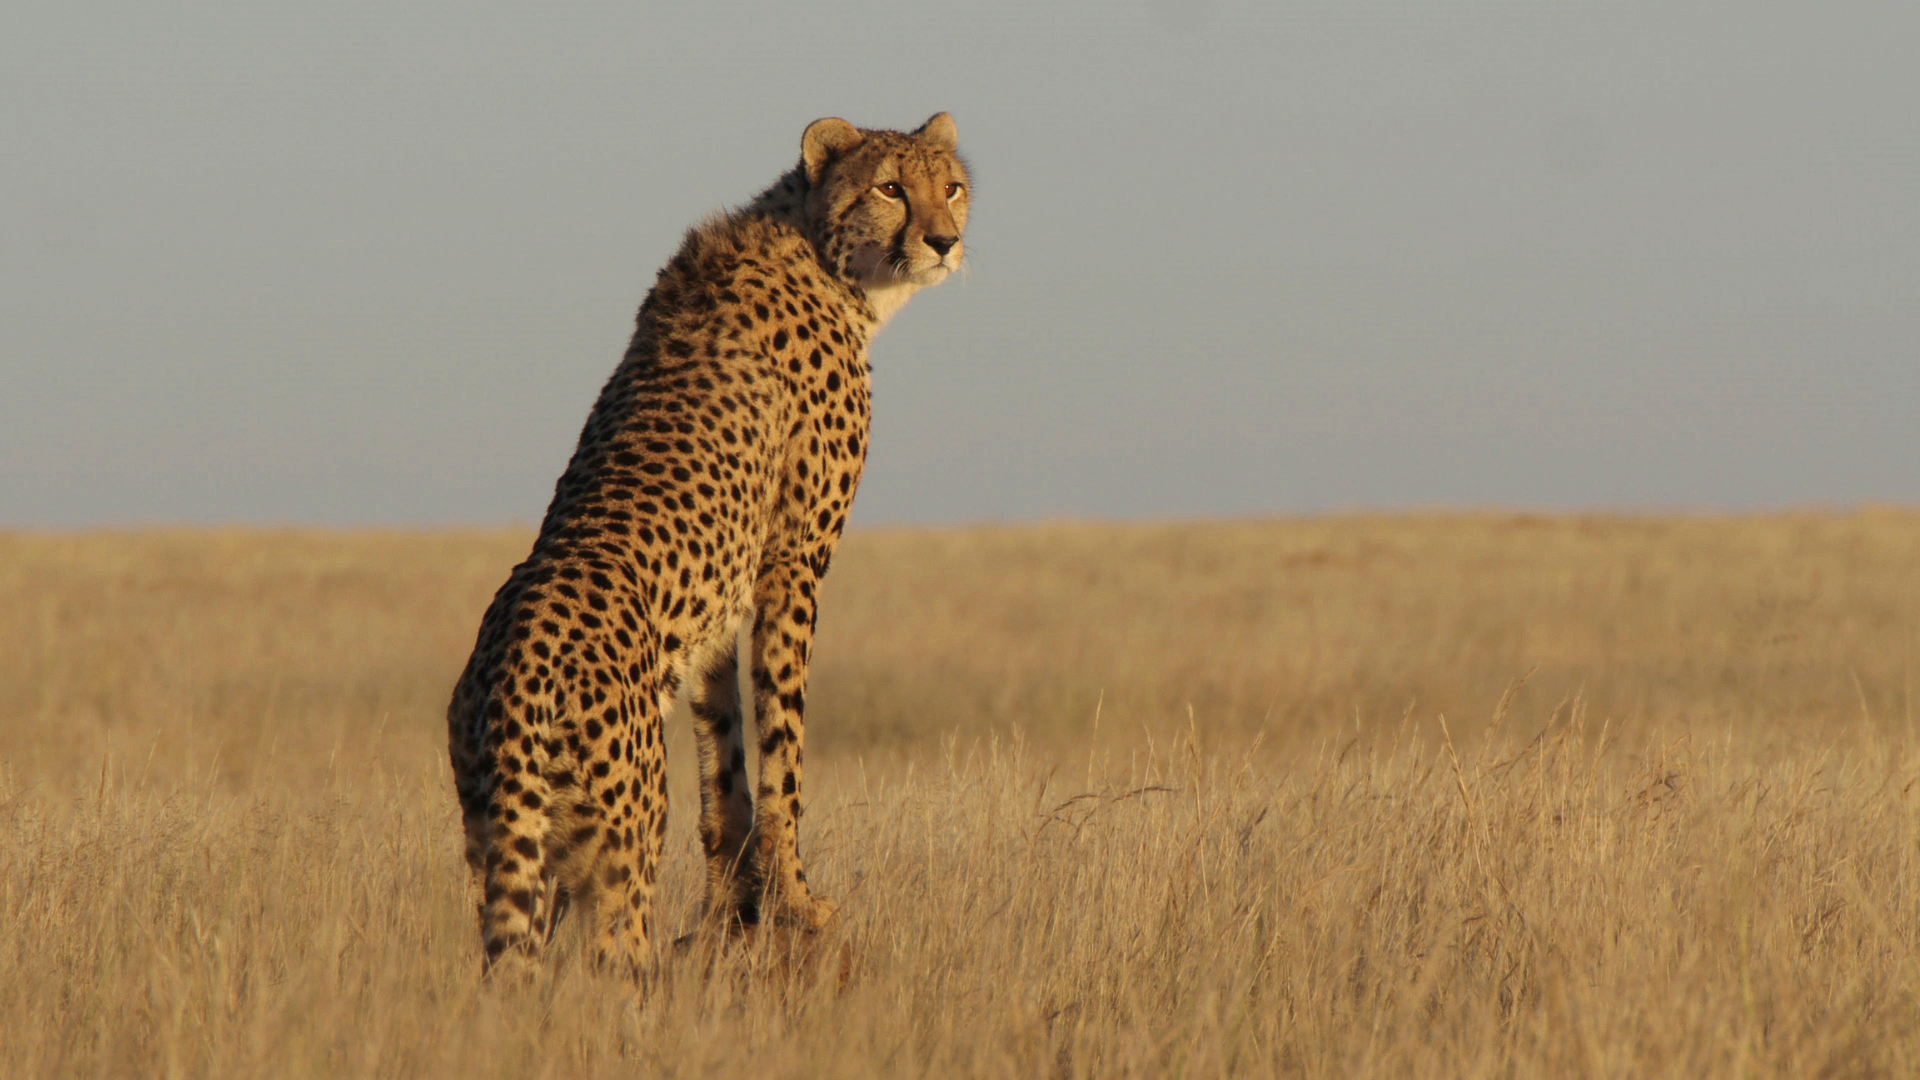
(244, 654)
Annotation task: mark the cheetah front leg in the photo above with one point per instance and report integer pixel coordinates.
(784, 599)
(726, 804)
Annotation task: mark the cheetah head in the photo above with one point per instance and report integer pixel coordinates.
(886, 209)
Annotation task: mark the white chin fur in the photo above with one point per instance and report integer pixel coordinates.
(890, 297)
(932, 275)
(888, 292)
(872, 270)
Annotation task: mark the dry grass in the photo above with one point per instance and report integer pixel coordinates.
(1687, 845)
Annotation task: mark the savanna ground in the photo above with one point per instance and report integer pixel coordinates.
(1366, 796)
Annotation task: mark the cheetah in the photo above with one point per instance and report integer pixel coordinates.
(711, 483)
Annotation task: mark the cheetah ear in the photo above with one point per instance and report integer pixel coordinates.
(939, 133)
(825, 140)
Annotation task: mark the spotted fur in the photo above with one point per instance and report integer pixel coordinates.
(710, 485)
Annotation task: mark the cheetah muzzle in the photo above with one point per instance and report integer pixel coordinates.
(710, 485)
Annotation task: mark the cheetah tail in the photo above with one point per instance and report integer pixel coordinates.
(511, 912)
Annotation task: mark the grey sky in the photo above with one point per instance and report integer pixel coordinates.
(369, 262)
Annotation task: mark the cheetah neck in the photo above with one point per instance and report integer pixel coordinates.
(785, 201)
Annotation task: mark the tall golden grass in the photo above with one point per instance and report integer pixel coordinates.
(1350, 796)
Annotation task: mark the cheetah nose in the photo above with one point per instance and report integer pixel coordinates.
(942, 244)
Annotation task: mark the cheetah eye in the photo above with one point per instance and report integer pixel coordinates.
(953, 190)
(891, 190)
